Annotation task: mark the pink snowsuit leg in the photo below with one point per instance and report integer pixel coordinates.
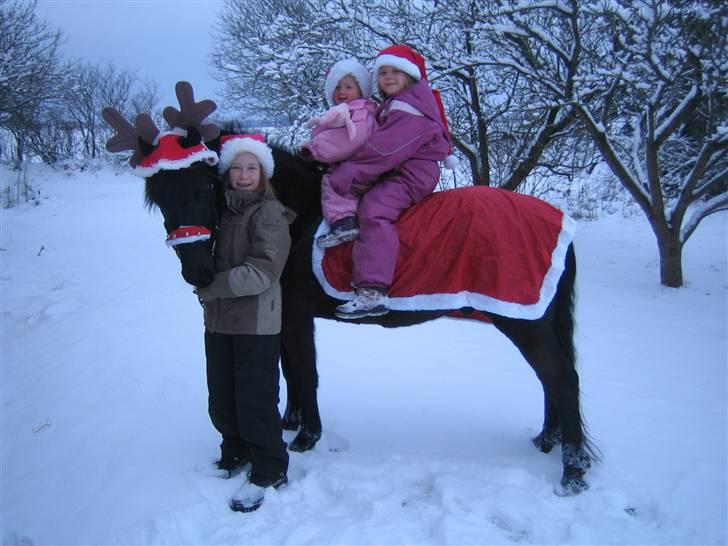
(335, 206)
(377, 248)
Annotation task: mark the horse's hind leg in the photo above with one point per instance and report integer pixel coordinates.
(538, 344)
(550, 434)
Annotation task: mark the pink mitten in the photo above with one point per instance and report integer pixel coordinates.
(337, 116)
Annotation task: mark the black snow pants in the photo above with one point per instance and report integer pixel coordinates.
(243, 387)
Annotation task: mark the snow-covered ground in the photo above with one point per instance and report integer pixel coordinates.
(106, 439)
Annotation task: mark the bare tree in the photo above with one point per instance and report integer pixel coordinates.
(538, 48)
(90, 88)
(502, 123)
(656, 107)
(28, 69)
(146, 98)
(272, 58)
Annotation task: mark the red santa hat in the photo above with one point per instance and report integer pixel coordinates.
(410, 62)
(232, 145)
(170, 155)
(347, 67)
(403, 58)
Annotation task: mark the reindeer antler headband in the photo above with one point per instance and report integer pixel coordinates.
(166, 152)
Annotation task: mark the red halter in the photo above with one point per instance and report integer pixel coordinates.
(187, 234)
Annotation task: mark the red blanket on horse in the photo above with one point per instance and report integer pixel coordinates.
(479, 247)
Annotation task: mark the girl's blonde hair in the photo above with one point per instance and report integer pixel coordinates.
(265, 188)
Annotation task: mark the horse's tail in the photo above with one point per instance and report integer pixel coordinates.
(564, 316)
(564, 328)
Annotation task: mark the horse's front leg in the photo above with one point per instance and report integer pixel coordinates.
(302, 380)
(291, 419)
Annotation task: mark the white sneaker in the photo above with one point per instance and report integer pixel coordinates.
(369, 302)
(250, 496)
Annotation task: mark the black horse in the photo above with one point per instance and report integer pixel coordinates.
(191, 196)
(546, 343)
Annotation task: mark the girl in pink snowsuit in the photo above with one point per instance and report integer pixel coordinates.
(396, 168)
(335, 137)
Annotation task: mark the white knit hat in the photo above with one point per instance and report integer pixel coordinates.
(347, 67)
(232, 145)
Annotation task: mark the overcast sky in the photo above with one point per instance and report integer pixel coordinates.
(167, 40)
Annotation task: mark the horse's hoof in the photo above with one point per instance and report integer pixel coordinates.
(291, 421)
(546, 441)
(304, 441)
(572, 483)
(571, 488)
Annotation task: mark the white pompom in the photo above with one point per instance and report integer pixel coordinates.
(451, 162)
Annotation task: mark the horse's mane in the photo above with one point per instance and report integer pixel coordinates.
(297, 184)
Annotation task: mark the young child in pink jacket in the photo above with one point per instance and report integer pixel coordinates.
(335, 137)
(396, 168)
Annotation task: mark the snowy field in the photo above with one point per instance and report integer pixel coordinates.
(106, 438)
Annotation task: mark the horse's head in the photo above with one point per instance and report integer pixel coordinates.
(187, 200)
(180, 178)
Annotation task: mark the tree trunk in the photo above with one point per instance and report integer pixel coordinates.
(670, 250)
(479, 172)
(19, 151)
(668, 241)
(482, 176)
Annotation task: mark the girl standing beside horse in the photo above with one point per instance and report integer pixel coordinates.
(396, 168)
(242, 310)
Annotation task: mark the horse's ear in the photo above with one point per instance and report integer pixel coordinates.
(145, 147)
(214, 144)
(193, 138)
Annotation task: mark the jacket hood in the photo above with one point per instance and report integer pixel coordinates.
(420, 96)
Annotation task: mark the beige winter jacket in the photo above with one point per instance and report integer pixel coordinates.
(251, 249)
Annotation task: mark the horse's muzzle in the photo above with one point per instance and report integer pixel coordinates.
(198, 267)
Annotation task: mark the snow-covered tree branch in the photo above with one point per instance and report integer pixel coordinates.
(29, 71)
(656, 107)
(274, 56)
(531, 88)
